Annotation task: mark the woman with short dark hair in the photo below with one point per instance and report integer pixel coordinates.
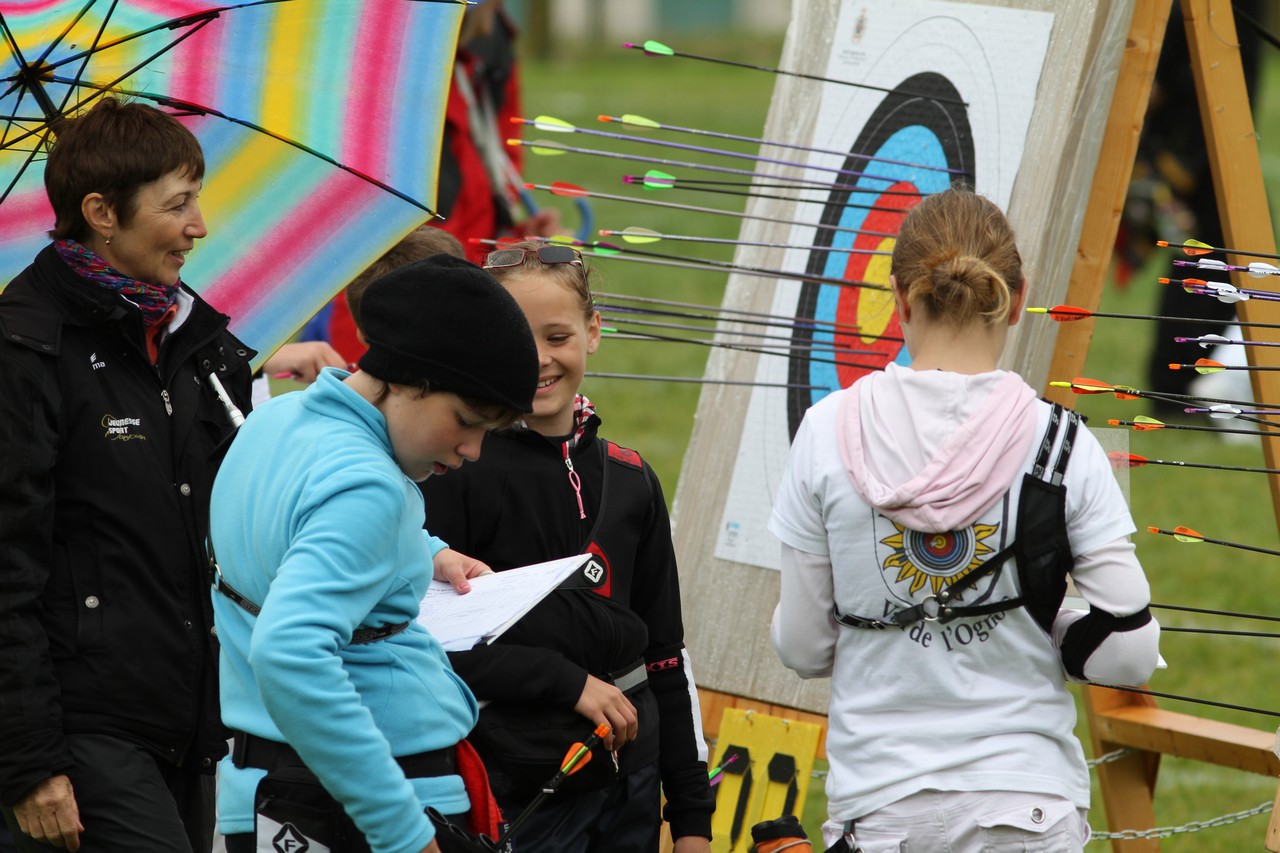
(112, 376)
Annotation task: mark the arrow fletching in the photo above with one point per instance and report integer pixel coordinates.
(658, 180)
(1090, 386)
(657, 48)
(545, 147)
(562, 188)
(1208, 365)
(1063, 313)
(553, 124)
(1186, 534)
(1143, 422)
(636, 121)
(1120, 459)
(636, 234)
(578, 756)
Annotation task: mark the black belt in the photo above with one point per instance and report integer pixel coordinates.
(252, 751)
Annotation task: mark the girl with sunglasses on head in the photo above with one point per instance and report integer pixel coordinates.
(609, 646)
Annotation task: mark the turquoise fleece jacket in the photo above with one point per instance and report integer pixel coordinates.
(313, 520)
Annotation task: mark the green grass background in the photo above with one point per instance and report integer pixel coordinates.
(657, 417)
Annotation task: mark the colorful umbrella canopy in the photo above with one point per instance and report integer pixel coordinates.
(321, 123)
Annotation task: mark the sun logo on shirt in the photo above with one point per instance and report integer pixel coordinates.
(937, 559)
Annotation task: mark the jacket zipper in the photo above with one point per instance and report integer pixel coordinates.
(574, 480)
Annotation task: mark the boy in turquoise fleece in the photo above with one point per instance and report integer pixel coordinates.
(317, 519)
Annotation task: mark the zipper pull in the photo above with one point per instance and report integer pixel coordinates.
(574, 480)
(168, 406)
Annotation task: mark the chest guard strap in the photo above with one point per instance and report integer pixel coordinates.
(1041, 549)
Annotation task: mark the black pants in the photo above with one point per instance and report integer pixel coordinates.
(129, 800)
(623, 818)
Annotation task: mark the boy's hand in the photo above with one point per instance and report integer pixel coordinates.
(455, 567)
(692, 844)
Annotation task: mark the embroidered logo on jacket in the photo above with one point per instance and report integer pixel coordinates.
(94, 363)
(122, 429)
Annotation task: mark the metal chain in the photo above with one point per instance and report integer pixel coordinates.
(1193, 826)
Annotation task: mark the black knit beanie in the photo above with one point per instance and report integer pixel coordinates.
(446, 322)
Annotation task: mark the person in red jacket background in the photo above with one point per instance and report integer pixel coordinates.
(479, 184)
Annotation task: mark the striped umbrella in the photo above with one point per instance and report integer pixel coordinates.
(321, 123)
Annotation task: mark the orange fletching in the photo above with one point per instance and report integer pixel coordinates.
(1081, 385)
(570, 190)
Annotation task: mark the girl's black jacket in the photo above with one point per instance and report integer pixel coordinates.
(106, 467)
(516, 507)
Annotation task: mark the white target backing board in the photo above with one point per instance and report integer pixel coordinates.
(955, 86)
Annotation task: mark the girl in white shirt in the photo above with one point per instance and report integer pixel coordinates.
(929, 515)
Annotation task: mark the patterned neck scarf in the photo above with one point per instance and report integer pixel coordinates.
(582, 412)
(153, 300)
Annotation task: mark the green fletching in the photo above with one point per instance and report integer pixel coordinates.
(640, 121)
(635, 234)
(537, 148)
(657, 180)
(657, 48)
(555, 125)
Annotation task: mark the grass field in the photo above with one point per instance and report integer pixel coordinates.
(657, 417)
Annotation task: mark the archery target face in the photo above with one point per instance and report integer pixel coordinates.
(955, 87)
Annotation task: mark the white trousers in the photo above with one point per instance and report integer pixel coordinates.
(968, 822)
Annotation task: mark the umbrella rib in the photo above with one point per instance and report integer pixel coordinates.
(74, 83)
(18, 174)
(88, 54)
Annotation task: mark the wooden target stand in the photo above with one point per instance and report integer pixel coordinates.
(1119, 719)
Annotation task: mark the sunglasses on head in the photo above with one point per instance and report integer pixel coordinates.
(546, 254)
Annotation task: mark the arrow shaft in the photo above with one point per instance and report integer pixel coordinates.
(650, 336)
(791, 145)
(747, 337)
(801, 75)
(703, 381)
(728, 265)
(793, 182)
(1219, 249)
(794, 322)
(1143, 427)
(794, 326)
(1181, 464)
(1223, 543)
(714, 210)
(703, 149)
(749, 194)
(604, 232)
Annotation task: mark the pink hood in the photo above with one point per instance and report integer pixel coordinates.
(933, 449)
